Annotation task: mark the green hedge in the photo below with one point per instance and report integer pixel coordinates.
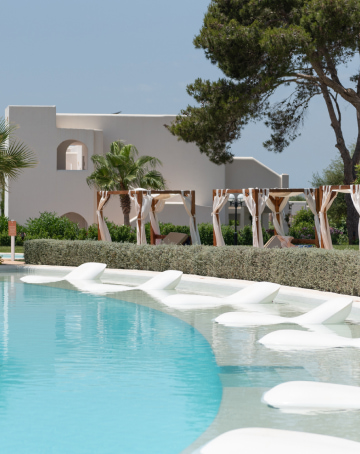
(334, 271)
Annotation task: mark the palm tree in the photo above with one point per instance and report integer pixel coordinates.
(14, 156)
(122, 169)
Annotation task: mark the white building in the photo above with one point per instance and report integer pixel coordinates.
(64, 144)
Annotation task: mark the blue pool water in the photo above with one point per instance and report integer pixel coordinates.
(7, 255)
(82, 374)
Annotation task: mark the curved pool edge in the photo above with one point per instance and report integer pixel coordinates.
(307, 297)
(309, 294)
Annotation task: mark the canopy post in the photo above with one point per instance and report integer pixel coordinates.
(257, 220)
(193, 210)
(139, 196)
(279, 201)
(276, 202)
(98, 197)
(217, 217)
(152, 233)
(333, 195)
(193, 213)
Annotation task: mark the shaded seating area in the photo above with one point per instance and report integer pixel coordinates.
(256, 200)
(150, 203)
(279, 241)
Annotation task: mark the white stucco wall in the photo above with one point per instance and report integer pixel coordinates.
(183, 166)
(248, 172)
(45, 188)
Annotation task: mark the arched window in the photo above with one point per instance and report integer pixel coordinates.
(75, 217)
(72, 155)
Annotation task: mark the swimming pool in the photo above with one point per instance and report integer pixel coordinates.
(88, 374)
(236, 369)
(7, 255)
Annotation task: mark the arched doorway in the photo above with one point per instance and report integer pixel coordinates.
(72, 155)
(76, 217)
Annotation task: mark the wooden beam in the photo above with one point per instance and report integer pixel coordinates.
(302, 241)
(274, 191)
(187, 192)
(193, 208)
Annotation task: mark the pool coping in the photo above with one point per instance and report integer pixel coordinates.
(284, 293)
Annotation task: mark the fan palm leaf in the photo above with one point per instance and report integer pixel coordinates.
(122, 169)
(15, 156)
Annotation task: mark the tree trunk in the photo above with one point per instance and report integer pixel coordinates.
(352, 217)
(125, 204)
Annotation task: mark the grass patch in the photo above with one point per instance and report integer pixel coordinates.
(8, 249)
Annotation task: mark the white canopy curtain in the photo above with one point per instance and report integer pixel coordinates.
(194, 232)
(154, 218)
(220, 199)
(258, 240)
(310, 199)
(279, 227)
(145, 209)
(103, 228)
(324, 224)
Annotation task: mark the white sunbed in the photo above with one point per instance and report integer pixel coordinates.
(306, 397)
(86, 278)
(86, 271)
(157, 286)
(273, 441)
(260, 292)
(288, 339)
(331, 312)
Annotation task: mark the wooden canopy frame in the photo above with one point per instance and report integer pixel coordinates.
(277, 196)
(139, 194)
(320, 195)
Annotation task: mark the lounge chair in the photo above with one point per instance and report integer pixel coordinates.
(260, 292)
(331, 312)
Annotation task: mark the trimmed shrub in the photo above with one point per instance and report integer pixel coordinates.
(333, 271)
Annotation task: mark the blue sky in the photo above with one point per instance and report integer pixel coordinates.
(136, 57)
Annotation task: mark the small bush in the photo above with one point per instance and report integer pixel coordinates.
(301, 217)
(332, 271)
(121, 233)
(50, 225)
(303, 231)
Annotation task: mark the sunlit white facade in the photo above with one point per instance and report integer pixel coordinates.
(64, 144)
